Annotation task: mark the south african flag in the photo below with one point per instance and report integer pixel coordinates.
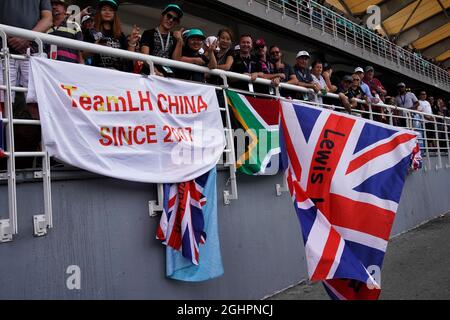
(258, 153)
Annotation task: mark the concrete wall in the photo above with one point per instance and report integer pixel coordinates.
(102, 225)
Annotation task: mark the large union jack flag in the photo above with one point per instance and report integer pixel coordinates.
(345, 176)
(182, 223)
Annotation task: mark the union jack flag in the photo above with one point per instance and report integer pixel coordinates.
(182, 223)
(345, 176)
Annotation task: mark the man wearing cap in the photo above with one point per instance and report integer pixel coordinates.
(160, 41)
(364, 87)
(407, 100)
(343, 92)
(62, 28)
(303, 75)
(373, 83)
(87, 23)
(267, 68)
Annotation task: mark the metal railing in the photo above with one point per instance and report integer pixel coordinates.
(434, 131)
(329, 22)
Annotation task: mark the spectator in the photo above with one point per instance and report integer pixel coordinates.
(364, 87)
(225, 55)
(343, 92)
(160, 41)
(266, 67)
(243, 62)
(87, 24)
(443, 112)
(237, 50)
(327, 75)
(407, 100)
(425, 107)
(316, 73)
(433, 104)
(31, 15)
(62, 28)
(303, 75)
(373, 83)
(282, 67)
(189, 53)
(108, 32)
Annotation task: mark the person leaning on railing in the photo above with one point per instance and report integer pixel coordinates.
(160, 41)
(301, 70)
(63, 28)
(189, 51)
(268, 71)
(108, 32)
(280, 66)
(31, 15)
(406, 100)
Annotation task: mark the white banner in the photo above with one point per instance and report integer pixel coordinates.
(125, 125)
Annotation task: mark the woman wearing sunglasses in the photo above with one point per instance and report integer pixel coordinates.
(108, 32)
(160, 41)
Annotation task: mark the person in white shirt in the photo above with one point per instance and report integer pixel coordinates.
(316, 74)
(425, 107)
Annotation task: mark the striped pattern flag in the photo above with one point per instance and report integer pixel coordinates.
(258, 117)
(182, 223)
(345, 176)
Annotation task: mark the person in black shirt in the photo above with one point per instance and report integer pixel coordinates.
(282, 67)
(267, 68)
(108, 32)
(349, 91)
(189, 53)
(160, 41)
(244, 64)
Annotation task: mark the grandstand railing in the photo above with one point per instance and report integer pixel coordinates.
(328, 21)
(433, 139)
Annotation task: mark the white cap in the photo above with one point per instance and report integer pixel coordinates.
(185, 32)
(85, 18)
(359, 69)
(303, 54)
(238, 47)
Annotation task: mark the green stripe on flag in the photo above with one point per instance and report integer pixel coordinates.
(264, 138)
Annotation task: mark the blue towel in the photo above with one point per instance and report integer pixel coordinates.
(210, 261)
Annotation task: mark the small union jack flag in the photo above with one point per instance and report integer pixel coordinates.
(182, 223)
(345, 176)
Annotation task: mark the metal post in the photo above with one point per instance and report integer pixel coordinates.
(448, 144)
(230, 145)
(298, 11)
(9, 227)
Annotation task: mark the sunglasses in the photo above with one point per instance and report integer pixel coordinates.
(172, 17)
(356, 80)
(274, 53)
